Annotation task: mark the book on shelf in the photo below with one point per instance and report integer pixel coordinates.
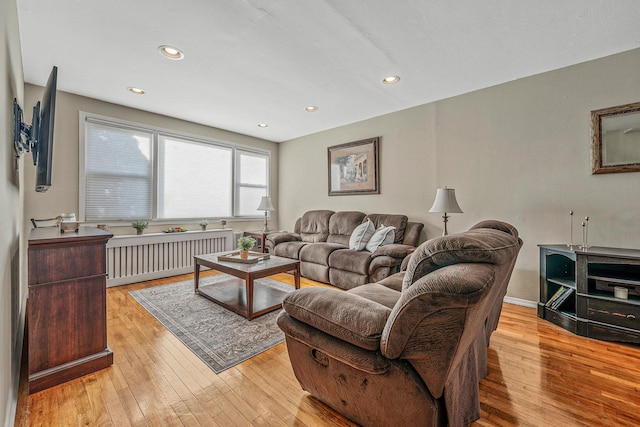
(554, 296)
(561, 298)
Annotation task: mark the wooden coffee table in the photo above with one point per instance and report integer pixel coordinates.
(238, 293)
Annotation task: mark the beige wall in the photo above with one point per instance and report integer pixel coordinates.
(12, 276)
(518, 152)
(63, 194)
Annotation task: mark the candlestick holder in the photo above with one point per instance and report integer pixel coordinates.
(585, 233)
(570, 244)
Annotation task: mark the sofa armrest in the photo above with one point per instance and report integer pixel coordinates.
(348, 317)
(394, 250)
(281, 237)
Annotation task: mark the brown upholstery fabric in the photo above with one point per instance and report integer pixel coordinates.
(314, 226)
(319, 253)
(394, 281)
(342, 224)
(378, 293)
(346, 279)
(351, 268)
(476, 245)
(397, 221)
(317, 272)
(434, 334)
(289, 249)
(412, 233)
(358, 321)
(349, 260)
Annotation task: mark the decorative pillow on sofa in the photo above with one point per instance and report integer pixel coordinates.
(382, 236)
(361, 235)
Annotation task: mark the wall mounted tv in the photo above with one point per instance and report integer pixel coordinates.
(38, 137)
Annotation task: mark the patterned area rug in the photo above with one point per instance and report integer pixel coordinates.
(219, 337)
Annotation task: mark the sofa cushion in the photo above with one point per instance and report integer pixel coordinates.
(350, 260)
(318, 253)
(397, 221)
(342, 225)
(361, 235)
(349, 317)
(314, 226)
(375, 292)
(289, 249)
(384, 235)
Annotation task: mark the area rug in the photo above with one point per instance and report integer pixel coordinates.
(219, 337)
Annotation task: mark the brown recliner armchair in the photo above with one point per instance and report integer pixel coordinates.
(384, 357)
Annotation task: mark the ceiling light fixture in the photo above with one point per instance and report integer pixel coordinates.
(135, 90)
(310, 108)
(389, 80)
(262, 125)
(171, 52)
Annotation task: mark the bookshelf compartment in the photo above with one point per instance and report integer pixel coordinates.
(561, 269)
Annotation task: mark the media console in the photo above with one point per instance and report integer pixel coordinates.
(578, 291)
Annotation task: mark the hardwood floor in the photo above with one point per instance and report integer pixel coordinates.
(539, 375)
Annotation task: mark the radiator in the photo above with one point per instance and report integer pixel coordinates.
(133, 259)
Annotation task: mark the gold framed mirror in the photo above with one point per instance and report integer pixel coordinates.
(615, 143)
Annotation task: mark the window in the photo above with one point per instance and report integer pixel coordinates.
(132, 171)
(251, 181)
(194, 179)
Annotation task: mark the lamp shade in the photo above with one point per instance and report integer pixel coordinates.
(445, 201)
(265, 204)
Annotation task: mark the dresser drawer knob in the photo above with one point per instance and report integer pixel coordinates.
(631, 317)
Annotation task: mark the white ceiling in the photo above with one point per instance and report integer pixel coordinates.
(253, 61)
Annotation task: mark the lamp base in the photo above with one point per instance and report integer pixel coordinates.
(445, 218)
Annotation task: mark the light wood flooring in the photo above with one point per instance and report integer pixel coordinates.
(539, 375)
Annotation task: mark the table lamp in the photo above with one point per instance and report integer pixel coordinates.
(445, 202)
(266, 206)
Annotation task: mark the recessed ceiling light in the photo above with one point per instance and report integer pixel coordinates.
(262, 125)
(171, 52)
(389, 80)
(136, 90)
(310, 108)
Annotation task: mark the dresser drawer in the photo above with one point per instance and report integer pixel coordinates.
(614, 313)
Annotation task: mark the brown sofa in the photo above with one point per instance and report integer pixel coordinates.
(320, 240)
(414, 356)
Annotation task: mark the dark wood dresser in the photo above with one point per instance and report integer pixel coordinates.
(67, 312)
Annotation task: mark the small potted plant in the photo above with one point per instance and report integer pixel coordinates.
(203, 224)
(245, 244)
(140, 225)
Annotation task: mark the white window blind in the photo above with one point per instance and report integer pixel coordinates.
(133, 171)
(194, 179)
(118, 173)
(251, 181)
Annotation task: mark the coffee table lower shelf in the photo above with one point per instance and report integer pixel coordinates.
(232, 295)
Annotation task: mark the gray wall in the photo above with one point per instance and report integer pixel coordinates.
(12, 265)
(63, 194)
(518, 152)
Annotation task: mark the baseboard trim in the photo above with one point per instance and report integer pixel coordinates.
(16, 365)
(520, 301)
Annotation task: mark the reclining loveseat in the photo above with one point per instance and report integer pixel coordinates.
(412, 356)
(321, 241)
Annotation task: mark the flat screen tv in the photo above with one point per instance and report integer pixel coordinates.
(43, 134)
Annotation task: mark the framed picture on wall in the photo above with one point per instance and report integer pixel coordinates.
(353, 168)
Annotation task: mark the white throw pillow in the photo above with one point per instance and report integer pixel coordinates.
(361, 235)
(382, 236)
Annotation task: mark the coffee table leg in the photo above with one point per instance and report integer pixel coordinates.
(196, 276)
(249, 283)
(296, 276)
